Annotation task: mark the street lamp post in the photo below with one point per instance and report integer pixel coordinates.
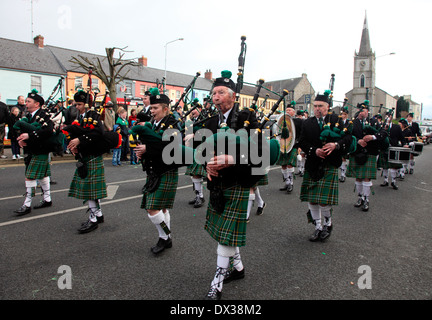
(166, 45)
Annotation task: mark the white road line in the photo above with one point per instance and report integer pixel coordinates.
(103, 203)
(111, 191)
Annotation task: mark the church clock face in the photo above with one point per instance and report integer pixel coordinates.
(363, 64)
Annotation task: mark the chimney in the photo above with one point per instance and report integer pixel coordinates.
(39, 41)
(208, 74)
(142, 61)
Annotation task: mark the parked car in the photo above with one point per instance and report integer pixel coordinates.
(426, 131)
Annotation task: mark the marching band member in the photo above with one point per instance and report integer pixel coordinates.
(289, 160)
(362, 163)
(343, 167)
(36, 161)
(416, 133)
(229, 183)
(396, 139)
(409, 137)
(161, 184)
(85, 138)
(195, 170)
(323, 158)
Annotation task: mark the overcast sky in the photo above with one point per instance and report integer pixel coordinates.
(284, 38)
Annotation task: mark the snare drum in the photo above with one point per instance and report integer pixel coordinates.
(417, 148)
(399, 155)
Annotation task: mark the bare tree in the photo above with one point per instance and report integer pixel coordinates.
(113, 75)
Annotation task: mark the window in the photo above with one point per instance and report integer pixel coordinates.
(36, 83)
(362, 81)
(78, 83)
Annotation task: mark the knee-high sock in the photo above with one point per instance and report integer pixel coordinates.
(366, 188)
(223, 260)
(393, 173)
(198, 186)
(359, 188)
(326, 211)
(343, 168)
(95, 210)
(385, 175)
(237, 262)
(285, 174)
(159, 221)
(30, 192)
(167, 219)
(316, 215)
(45, 185)
(289, 180)
(259, 200)
(250, 204)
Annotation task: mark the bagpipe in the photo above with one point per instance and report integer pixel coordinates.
(48, 139)
(94, 140)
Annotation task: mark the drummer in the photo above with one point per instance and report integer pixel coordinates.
(409, 137)
(396, 139)
(415, 130)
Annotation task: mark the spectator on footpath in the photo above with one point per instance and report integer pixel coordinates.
(132, 145)
(12, 133)
(4, 114)
(122, 122)
(132, 117)
(109, 116)
(117, 152)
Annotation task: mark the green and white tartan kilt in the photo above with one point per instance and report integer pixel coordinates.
(196, 169)
(229, 228)
(323, 191)
(163, 197)
(383, 162)
(289, 158)
(93, 186)
(365, 171)
(38, 168)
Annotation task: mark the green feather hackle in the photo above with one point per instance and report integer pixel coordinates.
(327, 92)
(154, 91)
(226, 74)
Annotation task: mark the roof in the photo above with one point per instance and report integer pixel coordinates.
(56, 60)
(26, 56)
(288, 84)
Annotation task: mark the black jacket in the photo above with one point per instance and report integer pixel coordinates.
(241, 172)
(310, 141)
(373, 147)
(3, 112)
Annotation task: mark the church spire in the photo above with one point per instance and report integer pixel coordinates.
(365, 47)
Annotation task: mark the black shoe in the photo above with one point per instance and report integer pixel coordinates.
(260, 209)
(99, 220)
(43, 204)
(284, 188)
(394, 186)
(88, 226)
(234, 274)
(359, 202)
(161, 245)
(199, 202)
(53, 182)
(342, 179)
(326, 232)
(411, 171)
(193, 201)
(290, 188)
(384, 184)
(315, 236)
(23, 210)
(213, 294)
(301, 173)
(365, 205)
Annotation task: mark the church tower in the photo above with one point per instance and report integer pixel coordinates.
(364, 72)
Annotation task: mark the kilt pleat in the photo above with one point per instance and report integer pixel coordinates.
(365, 171)
(229, 228)
(323, 191)
(195, 169)
(38, 167)
(289, 158)
(163, 197)
(93, 186)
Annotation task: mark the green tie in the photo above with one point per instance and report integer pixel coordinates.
(320, 123)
